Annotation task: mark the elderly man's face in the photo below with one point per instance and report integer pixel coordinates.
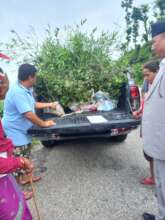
(158, 45)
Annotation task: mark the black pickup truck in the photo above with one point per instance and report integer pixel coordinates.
(115, 124)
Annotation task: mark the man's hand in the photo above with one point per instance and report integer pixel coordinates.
(137, 114)
(48, 123)
(53, 105)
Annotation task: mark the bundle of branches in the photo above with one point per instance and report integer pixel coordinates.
(70, 71)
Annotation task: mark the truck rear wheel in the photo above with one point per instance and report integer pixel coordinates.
(49, 144)
(119, 138)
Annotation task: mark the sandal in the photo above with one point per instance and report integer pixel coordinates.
(148, 181)
(27, 195)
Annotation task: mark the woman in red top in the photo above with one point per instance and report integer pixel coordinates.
(12, 201)
(150, 70)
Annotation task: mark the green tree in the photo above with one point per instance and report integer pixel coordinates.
(70, 72)
(145, 21)
(136, 17)
(127, 5)
(140, 50)
(72, 63)
(159, 13)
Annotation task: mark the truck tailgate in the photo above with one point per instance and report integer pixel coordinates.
(78, 124)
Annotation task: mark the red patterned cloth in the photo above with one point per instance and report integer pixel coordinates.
(3, 56)
(9, 164)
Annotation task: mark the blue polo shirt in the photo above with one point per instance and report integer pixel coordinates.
(18, 101)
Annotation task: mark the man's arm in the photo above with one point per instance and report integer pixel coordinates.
(41, 105)
(37, 121)
(53, 105)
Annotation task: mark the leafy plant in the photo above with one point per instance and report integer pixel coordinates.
(72, 64)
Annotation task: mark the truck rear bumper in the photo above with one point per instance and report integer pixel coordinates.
(83, 132)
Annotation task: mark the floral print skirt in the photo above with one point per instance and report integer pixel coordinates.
(12, 203)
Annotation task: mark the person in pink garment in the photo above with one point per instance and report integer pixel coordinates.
(12, 202)
(150, 69)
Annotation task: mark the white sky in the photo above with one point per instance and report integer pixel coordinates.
(107, 15)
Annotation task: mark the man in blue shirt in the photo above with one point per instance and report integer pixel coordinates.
(19, 111)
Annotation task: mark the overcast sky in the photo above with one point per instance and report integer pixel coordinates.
(20, 14)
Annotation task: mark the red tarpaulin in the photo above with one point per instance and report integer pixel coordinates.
(3, 56)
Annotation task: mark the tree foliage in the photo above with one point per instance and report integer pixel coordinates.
(72, 70)
(160, 9)
(137, 50)
(72, 64)
(127, 5)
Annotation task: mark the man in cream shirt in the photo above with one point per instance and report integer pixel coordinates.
(153, 122)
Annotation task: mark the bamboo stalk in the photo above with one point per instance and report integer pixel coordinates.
(34, 198)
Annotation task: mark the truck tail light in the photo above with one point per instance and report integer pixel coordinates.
(134, 97)
(134, 91)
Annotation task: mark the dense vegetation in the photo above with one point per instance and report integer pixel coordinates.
(73, 64)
